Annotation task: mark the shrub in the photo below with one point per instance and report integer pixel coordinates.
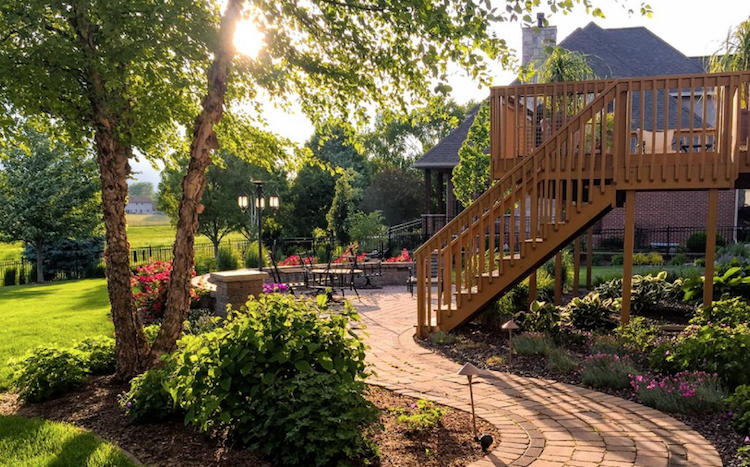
(151, 331)
(638, 335)
(540, 317)
(616, 260)
(518, 299)
(251, 256)
(686, 392)
(607, 371)
(648, 259)
(425, 417)
(148, 399)
(441, 338)
(204, 265)
(607, 344)
(611, 243)
(739, 404)
(567, 270)
(647, 292)
(199, 321)
(284, 376)
(714, 349)
(67, 258)
(560, 361)
(696, 242)
(99, 353)
(9, 278)
(732, 282)
(590, 313)
(678, 260)
(730, 312)
(150, 283)
(532, 343)
(48, 371)
(227, 260)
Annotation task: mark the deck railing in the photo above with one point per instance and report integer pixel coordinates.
(570, 146)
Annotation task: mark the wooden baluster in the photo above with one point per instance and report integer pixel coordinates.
(491, 247)
(447, 286)
(428, 269)
(458, 258)
(678, 134)
(691, 137)
(512, 230)
(568, 173)
(602, 116)
(641, 143)
(501, 228)
(422, 330)
(482, 248)
(667, 144)
(654, 119)
(703, 137)
(522, 213)
(558, 193)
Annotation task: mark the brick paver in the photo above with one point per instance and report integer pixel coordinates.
(542, 423)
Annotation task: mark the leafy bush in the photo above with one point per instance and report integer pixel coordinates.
(200, 320)
(68, 258)
(148, 399)
(696, 242)
(441, 338)
(9, 278)
(590, 313)
(227, 260)
(150, 283)
(647, 292)
(648, 259)
(560, 361)
(732, 282)
(739, 404)
(616, 260)
(532, 343)
(284, 376)
(48, 371)
(517, 299)
(251, 256)
(204, 265)
(151, 331)
(425, 417)
(714, 349)
(678, 260)
(99, 353)
(607, 371)
(687, 392)
(540, 317)
(730, 312)
(567, 271)
(638, 335)
(607, 344)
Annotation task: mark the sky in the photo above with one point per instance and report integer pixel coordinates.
(694, 27)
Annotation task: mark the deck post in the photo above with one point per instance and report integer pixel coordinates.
(708, 287)
(427, 191)
(558, 278)
(532, 288)
(627, 255)
(589, 256)
(576, 265)
(440, 194)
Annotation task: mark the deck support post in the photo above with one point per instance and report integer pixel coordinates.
(713, 206)
(532, 288)
(558, 278)
(627, 255)
(589, 256)
(576, 265)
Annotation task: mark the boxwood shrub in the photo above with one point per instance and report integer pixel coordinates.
(284, 376)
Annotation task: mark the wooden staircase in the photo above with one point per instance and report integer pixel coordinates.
(560, 155)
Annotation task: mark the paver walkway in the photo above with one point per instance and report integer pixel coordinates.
(542, 422)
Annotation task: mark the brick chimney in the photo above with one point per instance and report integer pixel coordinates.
(534, 41)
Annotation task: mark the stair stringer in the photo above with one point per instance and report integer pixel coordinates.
(494, 289)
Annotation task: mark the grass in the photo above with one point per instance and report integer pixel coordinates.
(56, 313)
(25, 442)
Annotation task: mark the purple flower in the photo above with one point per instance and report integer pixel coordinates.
(127, 406)
(747, 439)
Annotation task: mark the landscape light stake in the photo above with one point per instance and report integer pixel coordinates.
(510, 326)
(469, 371)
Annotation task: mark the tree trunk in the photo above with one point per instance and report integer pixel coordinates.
(39, 261)
(216, 247)
(131, 348)
(204, 141)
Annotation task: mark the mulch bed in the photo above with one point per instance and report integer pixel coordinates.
(476, 343)
(168, 444)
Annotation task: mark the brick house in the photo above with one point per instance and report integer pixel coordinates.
(611, 53)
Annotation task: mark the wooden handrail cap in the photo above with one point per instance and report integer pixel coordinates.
(468, 370)
(510, 326)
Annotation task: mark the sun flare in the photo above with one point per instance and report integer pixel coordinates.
(247, 39)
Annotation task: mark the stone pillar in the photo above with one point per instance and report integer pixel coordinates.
(534, 40)
(234, 287)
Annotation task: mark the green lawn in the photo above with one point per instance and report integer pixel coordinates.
(56, 313)
(33, 442)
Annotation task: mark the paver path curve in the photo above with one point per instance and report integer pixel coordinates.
(542, 423)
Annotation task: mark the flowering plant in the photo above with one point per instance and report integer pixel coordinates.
(149, 284)
(275, 288)
(402, 258)
(684, 392)
(607, 371)
(295, 260)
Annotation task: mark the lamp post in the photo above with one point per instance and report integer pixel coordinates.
(260, 204)
(470, 371)
(510, 326)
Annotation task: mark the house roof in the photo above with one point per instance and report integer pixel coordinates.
(444, 155)
(611, 53)
(140, 199)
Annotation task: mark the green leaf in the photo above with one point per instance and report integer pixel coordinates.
(303, 366)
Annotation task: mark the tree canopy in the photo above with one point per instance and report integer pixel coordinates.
(49, 192)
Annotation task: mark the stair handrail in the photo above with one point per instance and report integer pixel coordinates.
(468, 214)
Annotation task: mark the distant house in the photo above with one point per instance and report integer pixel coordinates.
(140, 205)
(611, 53)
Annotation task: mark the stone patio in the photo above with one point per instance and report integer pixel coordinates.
(542, 423)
